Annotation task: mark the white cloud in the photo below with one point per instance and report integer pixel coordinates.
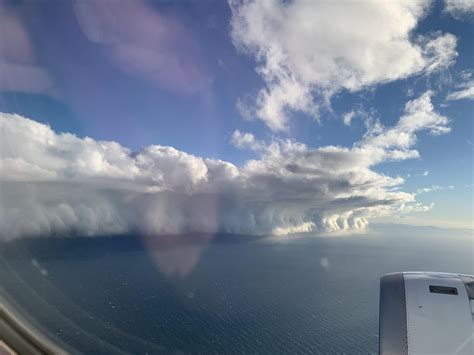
(464, 91)
(57, 183)
(246, 141)
(465, 87)
(434, 188)
(348, 116)
(309, 50)
(394, 143)
(459, 8)
(368, 117)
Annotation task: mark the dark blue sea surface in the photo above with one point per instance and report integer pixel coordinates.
(219, 294)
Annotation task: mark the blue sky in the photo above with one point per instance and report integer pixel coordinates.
(177, 80)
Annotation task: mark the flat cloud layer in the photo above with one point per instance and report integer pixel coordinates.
(308, 50)
(57, 183)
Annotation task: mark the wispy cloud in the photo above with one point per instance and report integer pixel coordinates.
(369, 118)
(434, 188)
(464, 91)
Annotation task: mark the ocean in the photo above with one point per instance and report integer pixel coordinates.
(219, 294)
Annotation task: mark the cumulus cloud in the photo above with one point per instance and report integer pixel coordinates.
(246, 141)
(394, 143)
(57, 183)
(309, 50)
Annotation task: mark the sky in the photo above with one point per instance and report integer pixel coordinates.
(248, 117)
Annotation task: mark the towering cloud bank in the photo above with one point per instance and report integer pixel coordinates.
(308, 50)
(57, 183)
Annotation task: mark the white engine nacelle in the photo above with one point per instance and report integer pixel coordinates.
(426, 313)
